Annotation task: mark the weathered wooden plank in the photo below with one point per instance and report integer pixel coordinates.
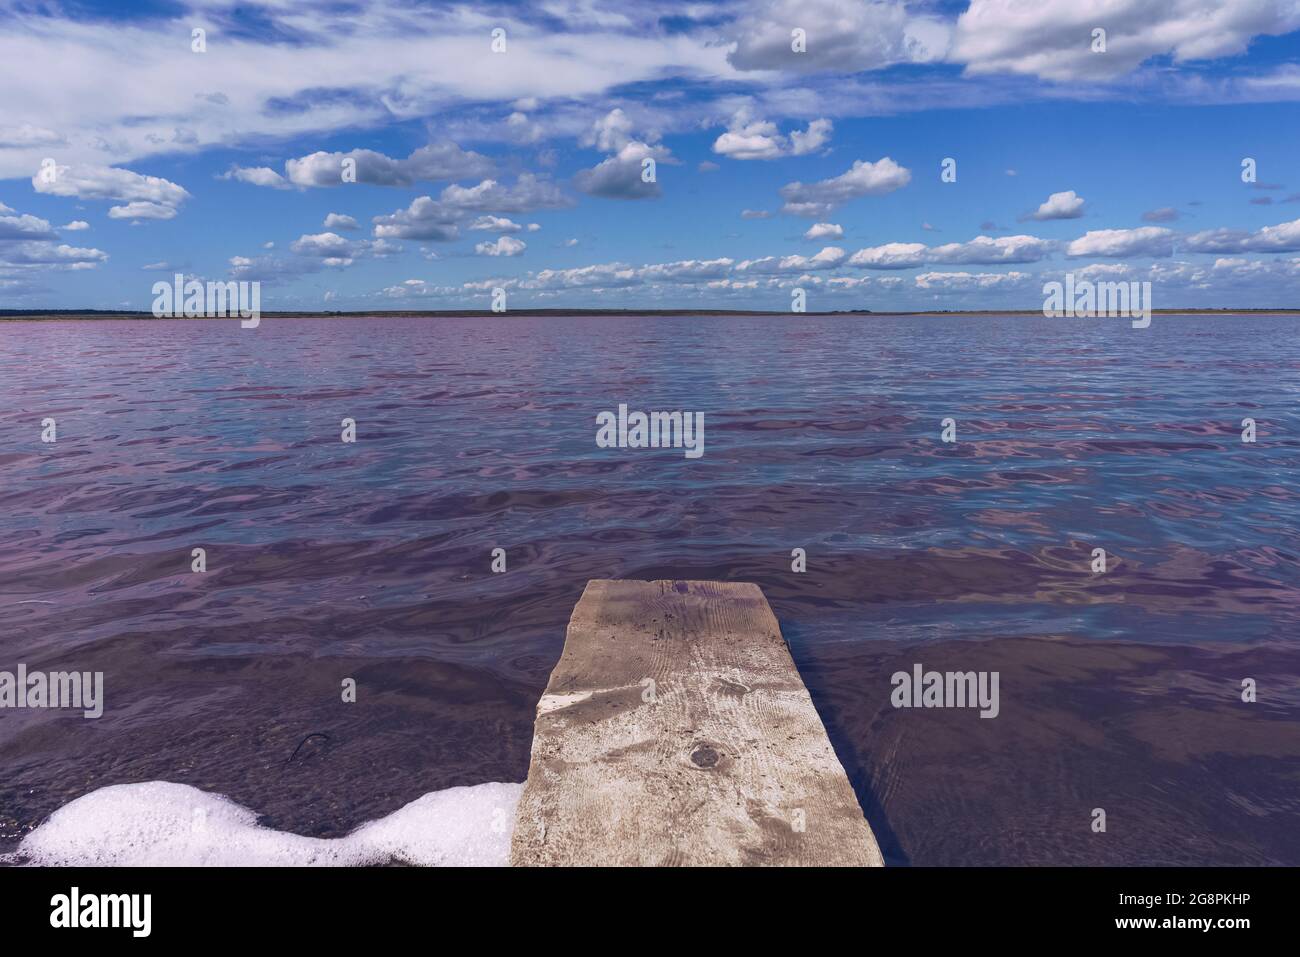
(675, 730)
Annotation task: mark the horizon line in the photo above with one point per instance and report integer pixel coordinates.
(72, 314)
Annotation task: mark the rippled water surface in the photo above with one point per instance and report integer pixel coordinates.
(371, 560)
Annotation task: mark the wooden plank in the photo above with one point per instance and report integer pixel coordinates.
(722, 760)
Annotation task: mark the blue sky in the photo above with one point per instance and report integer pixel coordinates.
(129, 156)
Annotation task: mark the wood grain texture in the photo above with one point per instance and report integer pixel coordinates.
(675, 730)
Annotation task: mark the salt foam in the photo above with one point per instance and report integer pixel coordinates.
(158, 824)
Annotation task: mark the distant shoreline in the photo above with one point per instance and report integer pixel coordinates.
(50, 315)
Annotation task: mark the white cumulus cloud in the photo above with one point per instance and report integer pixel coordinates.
(1118, 243)
(1064, 205)
(824, 231)
(142, 197)
(1284, 237)
(862, 179)
(504, 246)
(751, 138)
(1053, 39)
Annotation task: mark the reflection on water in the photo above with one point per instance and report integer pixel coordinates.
(371, 561)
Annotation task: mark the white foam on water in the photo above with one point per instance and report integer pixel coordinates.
(160, 824)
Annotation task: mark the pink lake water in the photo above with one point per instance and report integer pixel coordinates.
(371, 560)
